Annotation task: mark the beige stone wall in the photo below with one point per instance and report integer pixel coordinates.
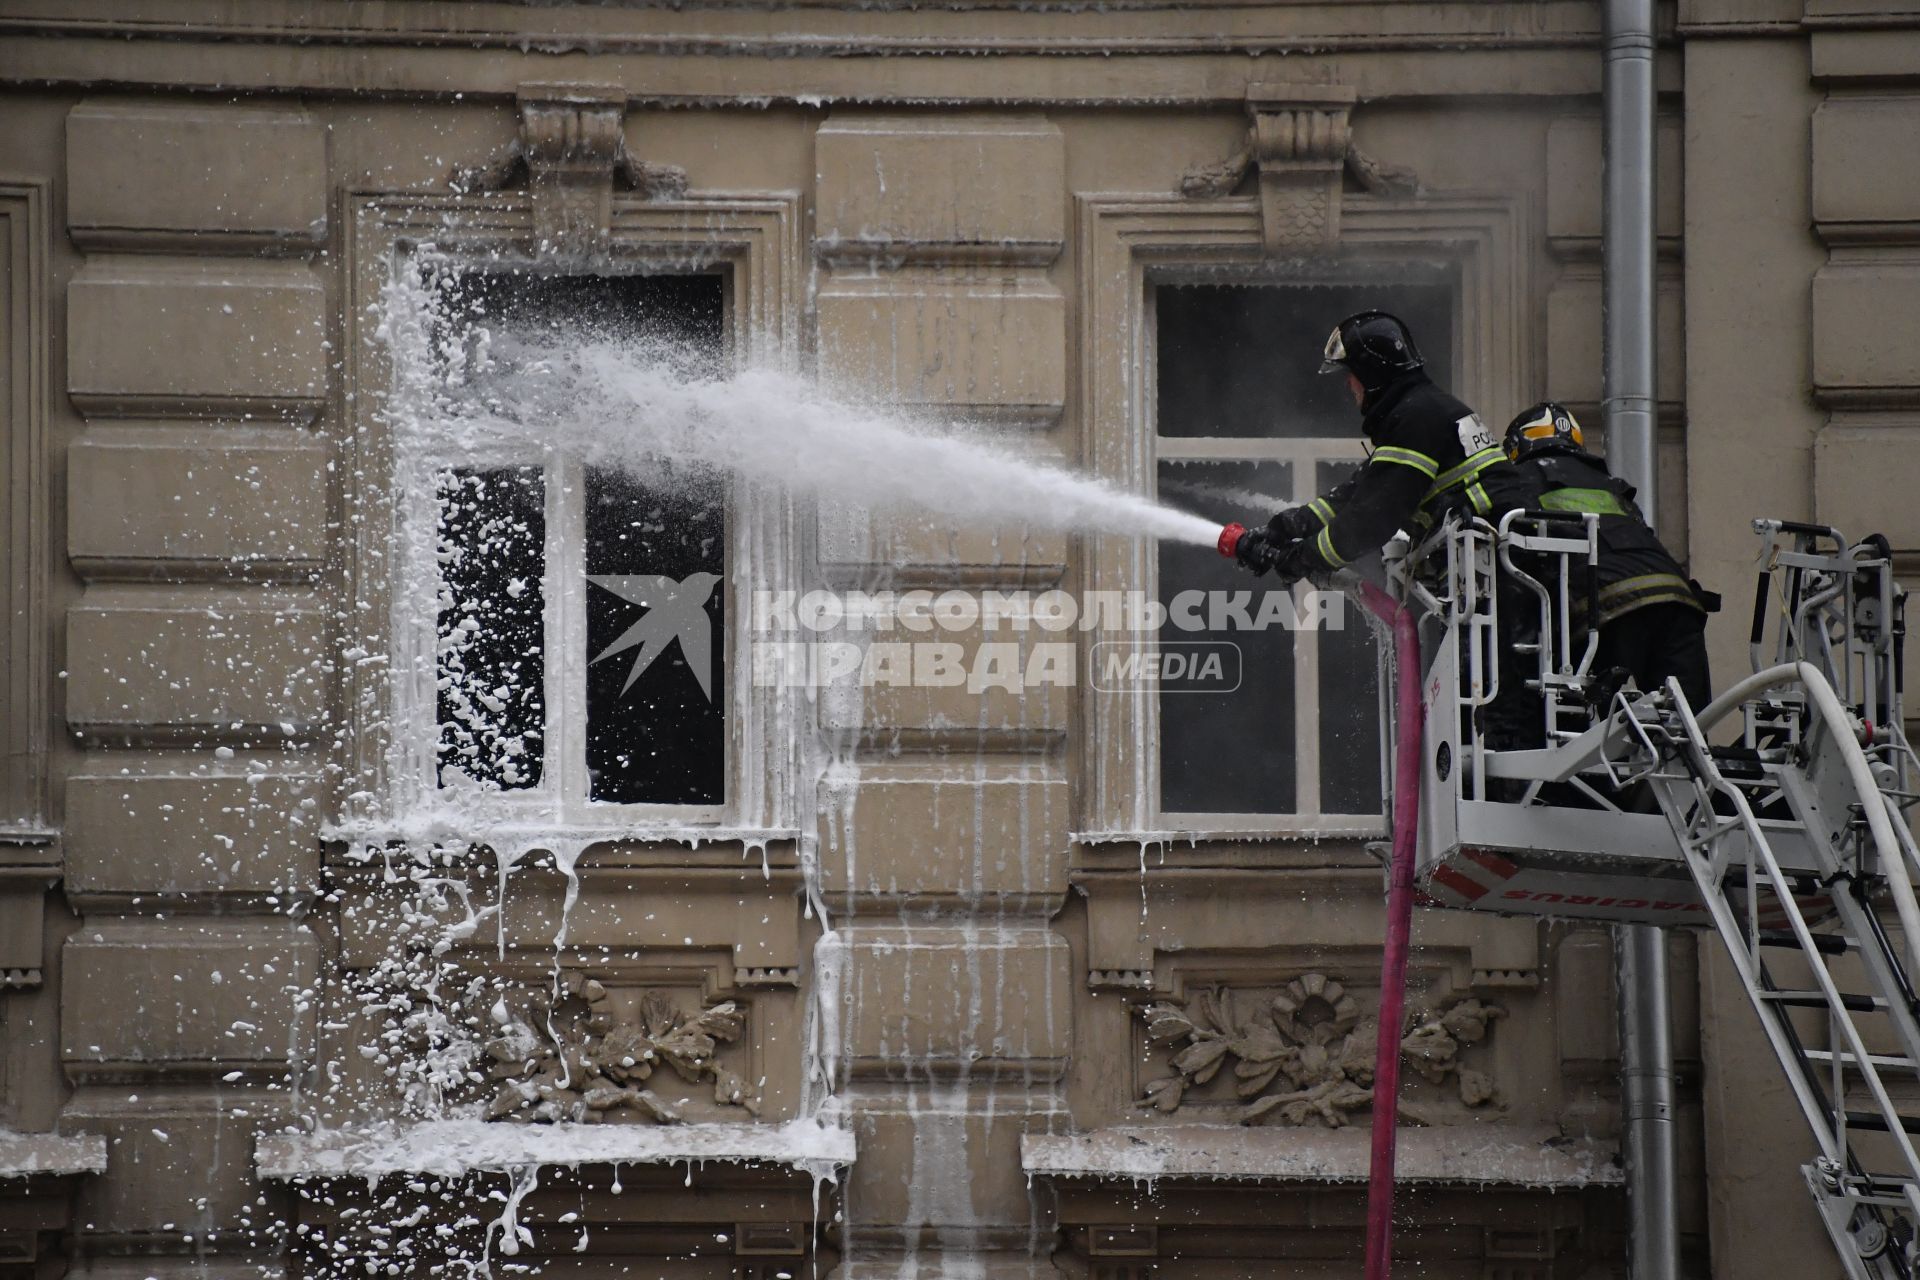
(196, 206)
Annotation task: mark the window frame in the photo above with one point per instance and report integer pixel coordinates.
(1303, 455)
(390, 748)
(26, 675)
(563, 792)
(1130, 245)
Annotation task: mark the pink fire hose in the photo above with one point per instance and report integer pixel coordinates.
(1409, 723)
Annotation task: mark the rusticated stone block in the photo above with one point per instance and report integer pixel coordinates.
(178, 1161)
(1574, 163)
(1863, 478)
(1863, 317)
(250, 835)
(929, 546)
(223, 665)
(982, 179)
(1574, 341)
(258, 176)
(161, 501)
(979, 996)
(194, 338)
(943, 1155)
(1866, 176)
(203, 990)
(1014, 553)
(980, 678)
(931, 339)
(934, 830)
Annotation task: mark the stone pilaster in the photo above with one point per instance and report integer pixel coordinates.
(944, 861)
(198, 349)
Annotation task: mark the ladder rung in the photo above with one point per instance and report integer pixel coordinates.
(1881, 1061)
(1874, 1122)
(1818, 1000)
(1827, 944)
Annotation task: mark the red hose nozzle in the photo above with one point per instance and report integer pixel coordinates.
(1230, 539)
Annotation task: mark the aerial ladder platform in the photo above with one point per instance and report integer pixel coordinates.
(1775, 816)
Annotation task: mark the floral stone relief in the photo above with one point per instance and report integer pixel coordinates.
(1306, 1055)
(562, 1052)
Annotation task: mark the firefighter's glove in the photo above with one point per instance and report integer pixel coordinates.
(1293, 525)
(1296, 561)
(1256, 550)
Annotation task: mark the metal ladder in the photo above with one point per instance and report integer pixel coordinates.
(1803, 768)
(1796, 837)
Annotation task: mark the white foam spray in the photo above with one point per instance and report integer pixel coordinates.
(649, 409)
(632, 405)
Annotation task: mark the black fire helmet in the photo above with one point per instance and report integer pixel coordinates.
(1373, 346)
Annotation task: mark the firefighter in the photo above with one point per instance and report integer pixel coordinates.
(1432, 457)
(1652, 617)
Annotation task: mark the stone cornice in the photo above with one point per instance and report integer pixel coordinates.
(1068, 28)
(1709, 19)
(816, 56)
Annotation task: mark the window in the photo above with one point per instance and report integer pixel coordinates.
(580, 622)
(1243, 424)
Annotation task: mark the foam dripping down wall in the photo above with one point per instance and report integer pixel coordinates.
(917, 1033)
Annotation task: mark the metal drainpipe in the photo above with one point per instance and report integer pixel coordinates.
(1646, 1041)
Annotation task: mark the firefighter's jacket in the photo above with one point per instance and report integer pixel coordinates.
(1635, 569)
(1431, 456)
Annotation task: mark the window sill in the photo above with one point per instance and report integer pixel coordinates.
(366, 839)
(1476, 1155)
(26, 1155)
(1194, 837)
(456, 1148)
(1136, 855)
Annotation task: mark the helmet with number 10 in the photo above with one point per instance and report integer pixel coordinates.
(1546, 428)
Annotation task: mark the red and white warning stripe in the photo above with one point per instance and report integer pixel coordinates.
(1468, 876)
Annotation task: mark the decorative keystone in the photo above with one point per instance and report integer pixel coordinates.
(570, 154)
(1301, 145)
(1300, 138)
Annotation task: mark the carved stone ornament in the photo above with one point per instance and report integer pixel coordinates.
(561, 1053)
(1313, 1036)
(1300, 144)
(570, 155)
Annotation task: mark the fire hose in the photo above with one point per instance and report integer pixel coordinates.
(1409, 727)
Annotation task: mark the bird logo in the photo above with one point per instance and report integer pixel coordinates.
(675, 611)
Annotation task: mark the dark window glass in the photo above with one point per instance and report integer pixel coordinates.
(686, 313)
(1349, 697)
(1244, 359)
(1230, 751)
(491, 657)
(656, 632)
(654, 599)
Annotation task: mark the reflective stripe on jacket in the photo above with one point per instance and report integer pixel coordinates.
(1635, 569)
(1432, 455)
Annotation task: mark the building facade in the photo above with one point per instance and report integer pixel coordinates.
(320, 955)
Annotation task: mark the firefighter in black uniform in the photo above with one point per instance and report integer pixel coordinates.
(1652, 617)
(1432, 457)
